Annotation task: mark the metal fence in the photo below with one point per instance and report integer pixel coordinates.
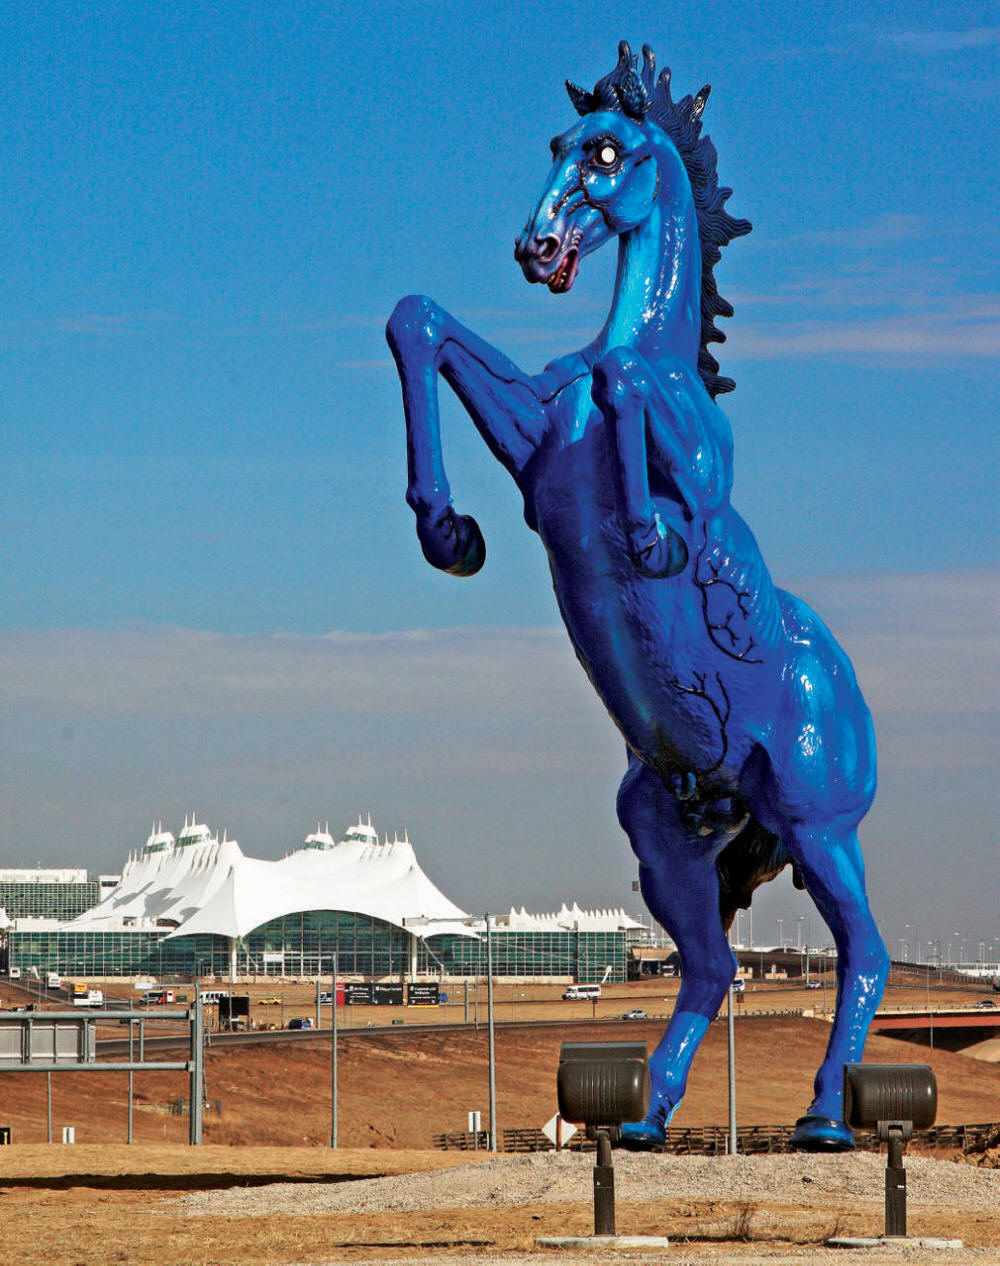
(711, 1140)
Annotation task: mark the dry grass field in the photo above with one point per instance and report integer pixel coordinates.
(101, 1201)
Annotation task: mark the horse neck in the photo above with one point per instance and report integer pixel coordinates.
(656, 307)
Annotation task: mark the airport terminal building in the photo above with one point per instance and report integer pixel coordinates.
(195, 905)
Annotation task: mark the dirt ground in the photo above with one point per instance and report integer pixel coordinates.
(92, 1205)
(101, 1201)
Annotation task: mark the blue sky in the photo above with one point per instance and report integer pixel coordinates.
(209, 212)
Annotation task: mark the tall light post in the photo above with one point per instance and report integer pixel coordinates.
(781, 932)
(480, 923)
(333, 1042)
(492, 1050)
(731, 1146)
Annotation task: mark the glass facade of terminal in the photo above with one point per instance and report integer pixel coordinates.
(48, 900)
(303, 945)
(582, 956)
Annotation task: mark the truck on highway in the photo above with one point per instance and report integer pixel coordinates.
(157, 998)
(89, 998)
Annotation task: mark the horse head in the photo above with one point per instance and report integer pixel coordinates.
(637, 166)
(603, 182)
(608, 172)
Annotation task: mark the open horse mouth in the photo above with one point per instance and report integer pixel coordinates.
(564, 276)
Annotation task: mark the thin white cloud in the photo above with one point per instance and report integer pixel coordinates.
(489, 745)
(932, 43)
(949, 331)
(921, 643)
(879, 230)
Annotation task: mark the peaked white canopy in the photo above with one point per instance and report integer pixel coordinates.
(199, 884)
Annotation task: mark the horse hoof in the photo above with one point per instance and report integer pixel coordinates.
(453, 543)
(822, 1134)
(641, 1136)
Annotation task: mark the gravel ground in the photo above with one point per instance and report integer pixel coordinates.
(548, 1176)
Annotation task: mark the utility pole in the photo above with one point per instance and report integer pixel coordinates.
(489, 1008)
(333, 1061)
(732, 1073)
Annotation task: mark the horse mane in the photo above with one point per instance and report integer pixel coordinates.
(635, 93)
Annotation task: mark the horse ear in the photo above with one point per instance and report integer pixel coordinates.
(648, 67)
(633, 95)
(583, 102)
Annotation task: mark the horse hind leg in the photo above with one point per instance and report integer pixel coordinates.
(833, 872)
(680, 887)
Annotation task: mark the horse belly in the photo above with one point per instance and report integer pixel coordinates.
(678, 662)
(643, 646)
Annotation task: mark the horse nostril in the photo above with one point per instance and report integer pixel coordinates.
(546, 247)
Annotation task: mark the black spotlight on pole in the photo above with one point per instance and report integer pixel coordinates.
(601, 1085)
(895, 1099)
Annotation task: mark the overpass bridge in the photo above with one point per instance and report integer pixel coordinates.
(947, 1028)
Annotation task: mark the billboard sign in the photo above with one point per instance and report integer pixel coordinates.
(23, 1041)
(422, 994)
(234, 1007)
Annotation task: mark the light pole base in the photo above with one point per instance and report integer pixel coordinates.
(892, 1241)
(603, 1241)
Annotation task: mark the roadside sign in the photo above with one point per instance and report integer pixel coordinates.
(558, 1131)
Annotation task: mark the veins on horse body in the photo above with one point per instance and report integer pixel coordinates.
(721, 710)
(725, 626)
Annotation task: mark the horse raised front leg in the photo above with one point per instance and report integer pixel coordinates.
(655, 422)
(501, 400)
(680, 886)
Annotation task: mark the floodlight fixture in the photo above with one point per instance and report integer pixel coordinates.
(893, 1099)
(601, 1085)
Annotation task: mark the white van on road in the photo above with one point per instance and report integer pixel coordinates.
(575, 992)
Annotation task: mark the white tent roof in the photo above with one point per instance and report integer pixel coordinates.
(167, 882)
(569, 917)
(201, 884)
(382, 881)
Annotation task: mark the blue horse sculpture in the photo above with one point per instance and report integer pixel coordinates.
(749, 744)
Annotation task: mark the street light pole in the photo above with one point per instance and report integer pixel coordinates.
(476, 924)
(333, 1071)
(492, 1049)
(731, 1148)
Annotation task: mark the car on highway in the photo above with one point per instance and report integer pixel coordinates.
(986, 1002)
(636, 1013)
